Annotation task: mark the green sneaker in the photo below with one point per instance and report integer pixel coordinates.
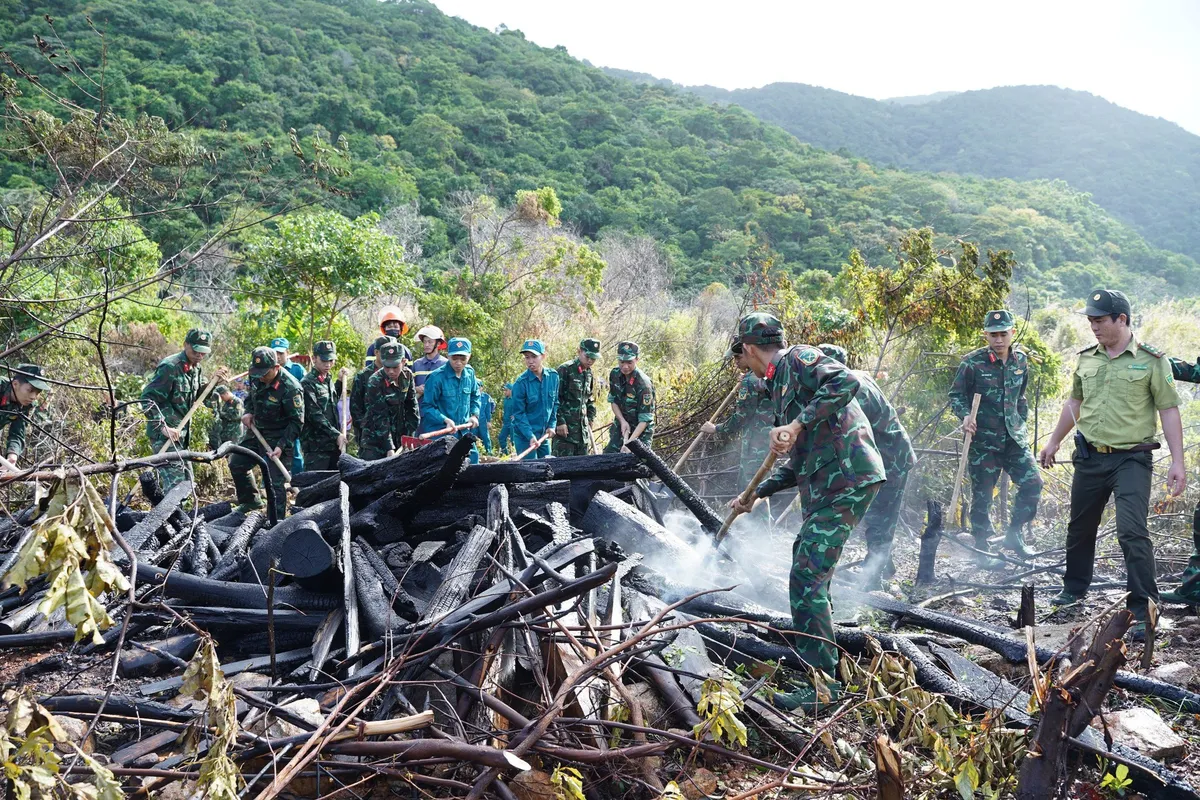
(1179, 598)
(805, 697)
(254, 505)
(1065, 598)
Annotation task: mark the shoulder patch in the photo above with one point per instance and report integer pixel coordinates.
(297, 401)
(808, 356)
(646, 398)
(1151, 349)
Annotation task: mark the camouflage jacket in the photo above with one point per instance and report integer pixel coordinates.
(576, 400)
(835, 452)
(633, 395)
(358, 394)
(14, 417)
(752, 419)
(391, 411)
(1001, 386)
(227, 423)
(891, 440)
(169, 394)
(321, 424)
(1183, 371)
(278, 409)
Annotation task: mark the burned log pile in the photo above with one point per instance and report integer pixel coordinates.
(465, 630)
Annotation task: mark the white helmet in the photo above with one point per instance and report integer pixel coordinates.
(431, 332)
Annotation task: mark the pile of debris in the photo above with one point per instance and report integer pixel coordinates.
(507, 628)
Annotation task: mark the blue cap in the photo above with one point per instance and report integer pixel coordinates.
(280, 344)
(534, 346)
(458, 346)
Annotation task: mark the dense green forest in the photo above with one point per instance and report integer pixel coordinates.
(427, 106)
(1141, 169)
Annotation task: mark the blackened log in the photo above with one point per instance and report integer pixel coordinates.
(307, 557)
(461, 572)
(459, 502)
(233, 520)
(322, 642)
(207, 591)
(37, 639)
(117, 705)
(151, 489)
(608, 466)
(707, 517)
(134, 663)
(399, 599)
(610, 519)
(23, 617)
(288, 658)
(214, 511)
(272, 542)
(217, 618)
(132, 752)
(196, 560)
(126, 518)
(931, 537)
(376, 615)
(140, 534)
(405, 470)
(236, 546)
(506, 472)
(676, 702)
(583, 490)
(345, 561)
(307, 478)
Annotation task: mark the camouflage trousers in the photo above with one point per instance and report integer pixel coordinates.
(616, 441)
(987, 459)
(1191, 576)
(562, 447)
(242, 468)
(879, 528)
(321, 460)
(175, 472)
(815, 553)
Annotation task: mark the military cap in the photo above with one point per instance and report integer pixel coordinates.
(835, 351)
(199, 340)
(325, 350)
(261, 361)
(590, 348)
(222, 389)
(533, 346)
(1102, 302)
(627, 351)
(760, 327)
(459, 346)
(391, 354)
(735, 348)
(999, 320)
(31, 374)
(281, 344)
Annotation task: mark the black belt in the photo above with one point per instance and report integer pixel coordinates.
(1137, 448)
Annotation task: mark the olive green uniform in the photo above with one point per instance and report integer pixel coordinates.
(227, 422)
(166, 398)
(750, 422)
(278, 410)
(391, 414)
(576, 408)
(14, 416)
(319, 436)
(1120, 398)
(634, 397)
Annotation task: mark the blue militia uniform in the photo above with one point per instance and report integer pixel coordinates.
(450, 398)
(534, 410)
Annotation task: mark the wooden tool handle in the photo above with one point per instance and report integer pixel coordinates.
(287, 476)
(529, 449)
(720, 409)
(764, 470)
(212, 383)
(962, 460)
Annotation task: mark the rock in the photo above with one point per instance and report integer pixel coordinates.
(653, 712)
(272, 727)
(701, 783)
(250, 680)
(995, 663)
(1179, 673)
(75, 729)
(532, 785)
(1144, 731)
(176, 790)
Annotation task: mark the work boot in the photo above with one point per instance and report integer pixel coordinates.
(804, 697)
(1138, 632)
(1014, 542)
(254, 504)
(986, 559)
(1179, 597)
(1065, 598)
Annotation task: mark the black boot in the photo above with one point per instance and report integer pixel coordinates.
(986, 559)
(1013, 541)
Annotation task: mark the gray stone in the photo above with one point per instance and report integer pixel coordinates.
(1179, 673)
(1144, 731)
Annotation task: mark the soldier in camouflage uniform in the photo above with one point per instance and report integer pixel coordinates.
(631, 396)
(391, 404)
(836, 467)
(998, 373)
(751, 421)
(321, 437)
(1188, 592)
(879, 525)
(577, 402)
(166, 398)
(276, 407)
(17, 396)
(227, 418)
(358, 391)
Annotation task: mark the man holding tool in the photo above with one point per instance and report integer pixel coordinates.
(631, 396)
(836, 467)
(999, 374)
(391, 404)
(275, 411)
(892, 442)
(450, 402)
(535, 402)
(166, 399)
(752, 418)
(321, 437)
(227, 418)
(1118, 385)
(576, 402)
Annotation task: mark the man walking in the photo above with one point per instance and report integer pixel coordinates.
(391, 404)
(999, 374)
(535, 402)
(1118, 385)
(321, 437)
(276, 408)
(576, 402)
(166, 398)
(631, 397)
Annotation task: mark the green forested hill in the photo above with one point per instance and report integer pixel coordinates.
(430, 105)
(1144, 170)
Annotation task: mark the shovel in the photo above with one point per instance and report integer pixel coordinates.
(764, 470)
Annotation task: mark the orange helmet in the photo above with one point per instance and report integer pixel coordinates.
(392, 314)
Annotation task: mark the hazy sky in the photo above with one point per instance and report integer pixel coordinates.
(1141, 55)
